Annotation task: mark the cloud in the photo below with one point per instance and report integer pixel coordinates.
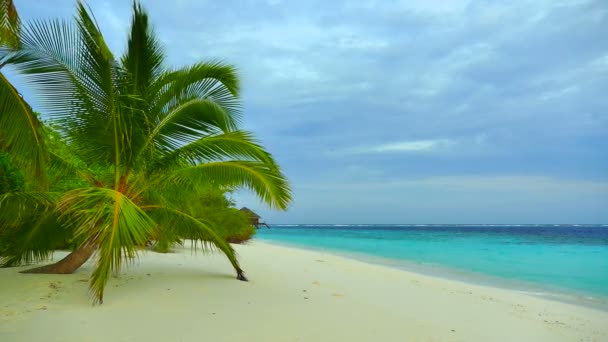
(532, 185)
(403, 146)
(377, 92)
(476, 144)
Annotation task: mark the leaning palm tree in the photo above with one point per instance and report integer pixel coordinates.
(145, 135)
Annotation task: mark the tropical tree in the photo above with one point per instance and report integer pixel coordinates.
(143, 135)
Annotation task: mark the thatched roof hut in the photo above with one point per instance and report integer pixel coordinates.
(254, 218)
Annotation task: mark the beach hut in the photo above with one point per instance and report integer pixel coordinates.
(254, 218)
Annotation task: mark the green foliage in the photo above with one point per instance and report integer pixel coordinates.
(11, 179)
(200, 231)
(20, 129)
(230, 223)
(9, 24)
(65, 170)
(212, 198)
(212, 206)
(127, 139)
(29, 227)
(113, 221)
(21, 133)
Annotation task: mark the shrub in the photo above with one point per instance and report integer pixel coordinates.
(231, 224)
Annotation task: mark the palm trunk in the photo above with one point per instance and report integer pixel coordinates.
(70, 263)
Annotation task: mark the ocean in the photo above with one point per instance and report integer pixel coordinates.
(563, 262)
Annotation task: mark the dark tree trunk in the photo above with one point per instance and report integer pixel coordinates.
(70, 263)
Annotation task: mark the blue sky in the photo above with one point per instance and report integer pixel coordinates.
(407, 111)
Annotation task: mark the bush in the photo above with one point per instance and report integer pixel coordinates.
(214, 207)
(231, 224)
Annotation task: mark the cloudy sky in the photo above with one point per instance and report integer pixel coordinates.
(424, 111)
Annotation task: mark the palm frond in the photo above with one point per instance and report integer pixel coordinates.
(15, 207)
(141, 65)
(52, 59)
(266, 181)
(21, 133)
(63, 167)
(143, 58)
(110, 123)
(113, 222)
(215, 81)
(29, 228)
(178, 223)
(9, 24)
(236, 145)
(187, 123)
(49, 57)
(77, 77)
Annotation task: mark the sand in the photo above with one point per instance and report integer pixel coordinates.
(293, 295)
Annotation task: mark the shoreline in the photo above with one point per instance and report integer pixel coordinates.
(293, 295)
(553, 293)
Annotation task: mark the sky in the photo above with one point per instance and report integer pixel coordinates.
(406, 111)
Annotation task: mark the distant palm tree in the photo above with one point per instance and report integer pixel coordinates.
(147, 135)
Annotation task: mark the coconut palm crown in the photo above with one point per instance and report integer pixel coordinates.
(147, 134)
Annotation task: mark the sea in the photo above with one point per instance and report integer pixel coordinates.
(565, 262)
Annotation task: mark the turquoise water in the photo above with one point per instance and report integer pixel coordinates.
(543, 259)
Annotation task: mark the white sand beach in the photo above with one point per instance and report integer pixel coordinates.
(292, 295)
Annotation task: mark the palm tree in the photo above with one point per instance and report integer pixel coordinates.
(146, 135)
